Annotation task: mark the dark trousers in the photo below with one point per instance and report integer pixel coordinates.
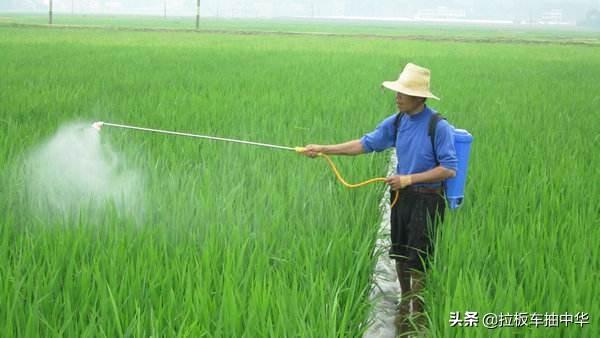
(414, 221)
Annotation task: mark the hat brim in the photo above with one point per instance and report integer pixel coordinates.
(397, 87)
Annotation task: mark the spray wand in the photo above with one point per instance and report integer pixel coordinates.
(98, 125)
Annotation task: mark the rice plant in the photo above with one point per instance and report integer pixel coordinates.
(236, 241)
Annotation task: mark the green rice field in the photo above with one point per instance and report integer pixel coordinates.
(229, 240)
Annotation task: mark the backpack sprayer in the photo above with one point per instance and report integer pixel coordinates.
(99, 125)
(454, 187)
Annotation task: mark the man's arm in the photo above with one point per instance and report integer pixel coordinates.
(383, 137)
(353, 147)
(436, 174)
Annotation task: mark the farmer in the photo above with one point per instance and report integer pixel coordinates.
(418, 180)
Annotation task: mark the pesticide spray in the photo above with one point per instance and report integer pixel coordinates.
(74, 172)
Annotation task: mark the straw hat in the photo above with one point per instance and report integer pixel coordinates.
(413, 81)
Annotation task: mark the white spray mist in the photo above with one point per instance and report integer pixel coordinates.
(74, 171)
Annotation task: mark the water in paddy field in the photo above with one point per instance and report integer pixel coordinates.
(74, 173)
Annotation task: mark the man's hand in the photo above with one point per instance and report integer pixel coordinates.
(312, 150)
(399, 181)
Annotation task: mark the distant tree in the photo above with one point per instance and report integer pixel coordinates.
(592, 18)
(197, 14)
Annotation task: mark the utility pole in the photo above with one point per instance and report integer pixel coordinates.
(165, 9)
(197, 14)
(72, 7)
(50, 13)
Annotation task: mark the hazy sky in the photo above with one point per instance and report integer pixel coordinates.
(532, 10)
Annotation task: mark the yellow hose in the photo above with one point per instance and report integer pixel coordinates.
(343, 181)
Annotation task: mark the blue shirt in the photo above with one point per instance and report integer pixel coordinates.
(413, 145)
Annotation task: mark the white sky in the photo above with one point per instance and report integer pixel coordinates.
(570, 10)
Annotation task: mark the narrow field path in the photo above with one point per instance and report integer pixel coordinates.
(385, 289)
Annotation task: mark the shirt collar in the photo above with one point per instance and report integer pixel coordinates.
(420, 115)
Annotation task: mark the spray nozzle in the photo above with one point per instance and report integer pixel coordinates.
(97, 125)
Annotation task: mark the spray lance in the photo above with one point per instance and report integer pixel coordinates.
(98, 125)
